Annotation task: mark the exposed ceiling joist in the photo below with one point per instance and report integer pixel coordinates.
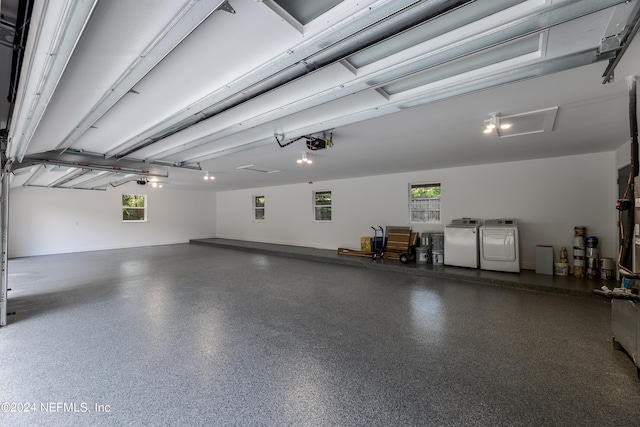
(185, 21)
(530, 23)
(53, 35)
(205, 86)
(362, 31)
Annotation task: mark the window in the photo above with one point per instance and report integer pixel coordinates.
(258, 208)
(424, 202)
(134, 207)
(322, 205)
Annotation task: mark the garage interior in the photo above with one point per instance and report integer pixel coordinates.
(225, 302)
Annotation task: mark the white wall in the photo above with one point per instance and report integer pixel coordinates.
(623, 155)
(549, 197)
(47, 221)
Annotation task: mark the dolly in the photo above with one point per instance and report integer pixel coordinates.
(398, 244)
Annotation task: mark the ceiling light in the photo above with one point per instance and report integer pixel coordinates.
(305, 159)
(154, 184)
(208, 177)
(521, 123)
(493, 123)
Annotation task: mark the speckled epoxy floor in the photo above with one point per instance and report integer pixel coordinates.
(526, 279)
(194, 335)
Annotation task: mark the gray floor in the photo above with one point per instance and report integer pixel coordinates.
(526, 279)
(200, 335)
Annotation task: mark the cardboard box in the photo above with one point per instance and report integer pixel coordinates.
(366, 244)
(544, 260)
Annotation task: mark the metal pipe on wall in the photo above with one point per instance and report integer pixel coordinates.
(633, 124)
(633, 128)
(4, 225)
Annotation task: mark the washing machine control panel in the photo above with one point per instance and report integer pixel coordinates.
(494, 222)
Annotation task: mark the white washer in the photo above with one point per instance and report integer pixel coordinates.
(499, 245)
(461, 243)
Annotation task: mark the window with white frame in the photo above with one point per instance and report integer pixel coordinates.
(424, 202)
(258, 208)
(322, 205)
(134, 207)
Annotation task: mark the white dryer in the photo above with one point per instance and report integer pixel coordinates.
(499, 245)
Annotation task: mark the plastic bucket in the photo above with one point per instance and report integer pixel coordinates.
(437, 241)
(606, 263)
(606, 274)
(438, 257)
(422, 255)
(561, 269)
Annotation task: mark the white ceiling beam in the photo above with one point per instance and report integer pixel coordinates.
(54, 31)
(183, 24)
(37, 172)
(68, 177)
(294, 57)
(101, 175)
(521, 73)
(462, 44)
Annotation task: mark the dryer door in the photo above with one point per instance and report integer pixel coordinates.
(499, 245)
